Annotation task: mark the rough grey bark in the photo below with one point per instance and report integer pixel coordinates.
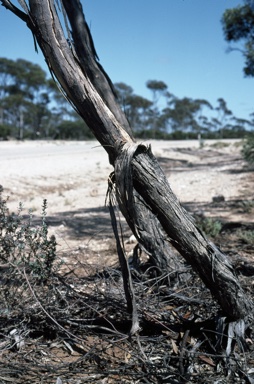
(109, 128)
(88, 59)
(152, 239)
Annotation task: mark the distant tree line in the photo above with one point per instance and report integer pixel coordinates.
(170, 117)
(32, 107)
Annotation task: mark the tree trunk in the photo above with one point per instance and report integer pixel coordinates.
(142, 189)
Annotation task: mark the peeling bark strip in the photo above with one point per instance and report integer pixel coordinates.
(89, 90)
(127, 280)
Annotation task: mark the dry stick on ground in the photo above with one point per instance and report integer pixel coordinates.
(66, 62)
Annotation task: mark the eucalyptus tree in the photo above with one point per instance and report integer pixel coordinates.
(124, 92)
(135, 107)
(182, 114)
(158, 89)
(142, 191)
(240, 126)
(238, 27)
(11, 101)
(224, 115)
(24, 95)
(6, 77)
(201, 122)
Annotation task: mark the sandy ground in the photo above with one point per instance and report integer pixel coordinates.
(72, 176)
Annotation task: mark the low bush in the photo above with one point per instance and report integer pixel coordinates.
(23, 245)
(209, 226)
(248, 150)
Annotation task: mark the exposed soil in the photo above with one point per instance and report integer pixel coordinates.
(72, 176)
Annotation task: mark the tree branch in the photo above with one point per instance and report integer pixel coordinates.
(11, 7)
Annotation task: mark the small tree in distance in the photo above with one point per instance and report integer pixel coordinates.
(143, 193)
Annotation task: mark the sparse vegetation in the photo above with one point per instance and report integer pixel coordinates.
(247, 236)
(71, 322)
(246, 206)
(211, 227)
(24, 246)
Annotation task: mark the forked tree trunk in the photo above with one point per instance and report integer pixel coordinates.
(139, 178)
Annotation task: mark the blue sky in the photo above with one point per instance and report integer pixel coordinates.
(177, 41)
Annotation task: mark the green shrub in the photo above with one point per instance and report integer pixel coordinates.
(247, 236)
(24, 246)
(248, 149)
(219, 145)
(246, 206)
(209, 226)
